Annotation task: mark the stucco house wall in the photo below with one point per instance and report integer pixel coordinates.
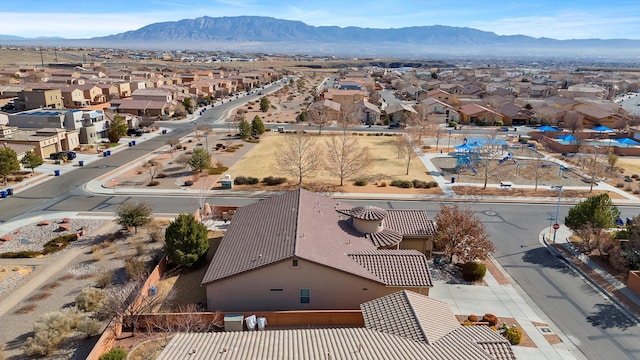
(328, 288)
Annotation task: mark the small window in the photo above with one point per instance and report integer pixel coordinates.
(294, 262)
(305, 296)
(276, 290)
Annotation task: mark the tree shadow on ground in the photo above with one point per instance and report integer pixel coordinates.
(541, 256)
(607, 316)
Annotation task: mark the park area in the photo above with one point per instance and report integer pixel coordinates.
(259, 160)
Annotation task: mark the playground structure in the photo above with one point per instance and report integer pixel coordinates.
(468, 160)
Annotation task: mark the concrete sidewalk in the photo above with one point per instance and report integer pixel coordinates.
(507, 301)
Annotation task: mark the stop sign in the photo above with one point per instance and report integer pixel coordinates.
(556, 226)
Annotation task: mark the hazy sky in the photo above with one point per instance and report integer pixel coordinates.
(559, 19)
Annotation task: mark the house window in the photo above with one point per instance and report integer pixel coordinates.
(305, 296)
(276, 290)
(294, 263)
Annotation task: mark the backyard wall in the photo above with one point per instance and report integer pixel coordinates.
(275, 319)
(633, 281)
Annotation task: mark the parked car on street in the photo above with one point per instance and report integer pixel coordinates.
(63, 155)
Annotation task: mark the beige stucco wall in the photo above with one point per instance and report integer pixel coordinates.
(422, 244)
(329, 289)
(368, 226)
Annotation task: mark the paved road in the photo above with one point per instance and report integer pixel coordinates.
(592, 323)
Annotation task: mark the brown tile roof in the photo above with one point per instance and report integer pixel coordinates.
(297, 223)
(385, 237)
(407, 268)
(410, 222)
(410, 315)
(365, 212)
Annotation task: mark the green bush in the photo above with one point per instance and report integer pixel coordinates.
(498, 123)
(20, 254)
(383, 184)
(271, 181)
(406, 184)
(473, 271)
(360, 182)
(114, 354)
(58, 243)
(90, 299)
(433, 184)
(419, 184)
(491, 319)
(482, 122)
(514, 335)
(240, 180)
(453, 124)
(218, 170)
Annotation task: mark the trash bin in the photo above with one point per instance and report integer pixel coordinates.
(164, 132)
(3, 194)
(56, 172)
(133, 143)
(107, 153)
(130, 143)
(9, 191)
(81, 163)
(153, 291)
(453, 179)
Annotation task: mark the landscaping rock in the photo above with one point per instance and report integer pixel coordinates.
(44, 223)
(63, 227)
(7, 237)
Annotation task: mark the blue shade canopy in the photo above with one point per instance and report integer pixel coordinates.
(464, 147)
(568, 138)
(546, 128)
(602, 128)
(627, 141)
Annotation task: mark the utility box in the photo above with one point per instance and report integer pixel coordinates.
(233, 322)
(227, 182)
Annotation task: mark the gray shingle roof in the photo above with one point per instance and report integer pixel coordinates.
(396, 267)
(410, 315)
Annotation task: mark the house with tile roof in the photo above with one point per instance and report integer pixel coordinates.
(304, 251)
(474, 113)
(400, 326)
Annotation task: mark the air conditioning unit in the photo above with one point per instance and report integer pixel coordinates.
(233, 322)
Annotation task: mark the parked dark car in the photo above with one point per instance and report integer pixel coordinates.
(63, 155)
(394, 125)
(135, 132)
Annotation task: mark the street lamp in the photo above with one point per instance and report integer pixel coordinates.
(557, 225)
(449, 141)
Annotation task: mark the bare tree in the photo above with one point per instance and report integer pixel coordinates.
(612, 159)
(490, 154)
(345, 157)
(461, 234)
(349, 117)
(152, 168)
(299, 157)
(318, 116)
(173, 142)
(537, 169)
(408, 146)
(596, 168)
(573, 121)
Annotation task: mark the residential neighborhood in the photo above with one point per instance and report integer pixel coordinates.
(208, 205)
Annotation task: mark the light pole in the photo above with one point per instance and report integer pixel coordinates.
(449, 141)
(557, 225)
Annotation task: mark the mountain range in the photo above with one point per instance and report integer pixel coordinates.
(266, 34)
